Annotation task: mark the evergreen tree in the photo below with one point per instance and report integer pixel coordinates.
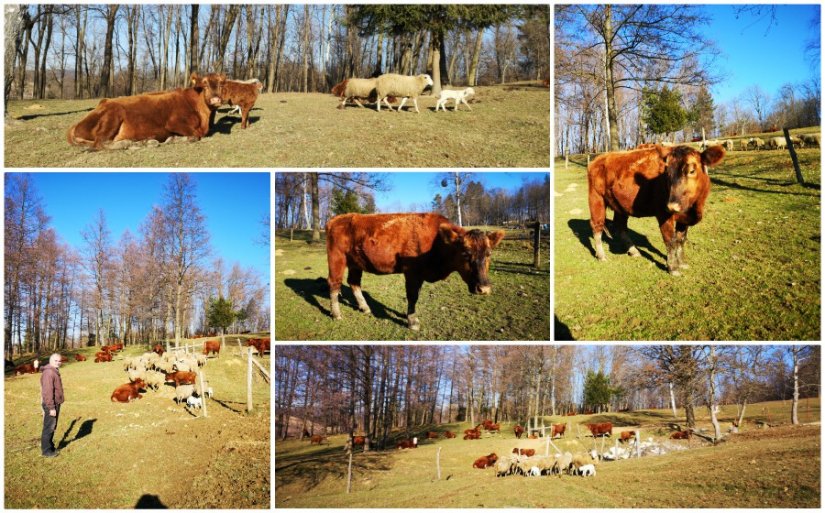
(701, 113)
(344, 202)
(662, 110)
(220, 314)
(597, 390)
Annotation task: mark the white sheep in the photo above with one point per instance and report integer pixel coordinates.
(777, 143)
(504, 466)
(194, 402)
(728, 144)
(535, 472)
(810, 139)
(134, 375)
(154, 379)
(402, 86)
(457, 96)
(587, 470)
(183, 392)
(355, 89)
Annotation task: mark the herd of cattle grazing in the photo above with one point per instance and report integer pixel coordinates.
(524, 460)
(424, 247)
(185, 112)
(155, 368)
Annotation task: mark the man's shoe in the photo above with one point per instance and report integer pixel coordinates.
(50, 454)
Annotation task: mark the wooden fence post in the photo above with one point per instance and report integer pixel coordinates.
(438, 464)
(795, 160)
(201, 394)
(349, 473)
(249, 381)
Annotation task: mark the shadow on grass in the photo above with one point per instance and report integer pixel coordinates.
(84, 431)
(733, 185)
(226, 123)
(561, 330)
(147, 501)
(311, 469)
(581, 229)
(312, 290)
(517, 268)
(29, 117)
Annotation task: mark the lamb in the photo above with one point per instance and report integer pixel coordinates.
(564, 462)
(184, 392)
(154, 379)
(392, 84)
(587, 470)
(728, 144)
(777, 143)
(194, 402)
(457, 96)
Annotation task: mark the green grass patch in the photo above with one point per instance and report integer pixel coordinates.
(111, 454)
(518, 308)
(777, 467)
(508, 127)
(755, 260)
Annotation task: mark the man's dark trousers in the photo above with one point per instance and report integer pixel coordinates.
(49, 425)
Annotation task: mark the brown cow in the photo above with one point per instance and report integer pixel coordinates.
(27, 368)
(128, 392)
(407, 444)
(212, 346)
(681, 435)
(432, 435)
(424, 247)
(158, 116)
(260, 344)
(316, 439)
(79, 357)
(601, 429)
(626, 436)
(182, 378)
(558, 429)
(486, 461)
(518, 430)
(158, 349)
(242, 95)
(525, 452)
(472, 435)
(669, 183)
(449, 434)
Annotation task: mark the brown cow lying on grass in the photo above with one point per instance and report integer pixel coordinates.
(128, 392)
(486, 461)
(152, 116)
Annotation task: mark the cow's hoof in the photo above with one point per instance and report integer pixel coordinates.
(413, 323)
(336, 317)
(365, 309)
(634, 252)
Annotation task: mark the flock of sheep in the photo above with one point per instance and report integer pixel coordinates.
(390, 86)
(771, 143)
(153, 369)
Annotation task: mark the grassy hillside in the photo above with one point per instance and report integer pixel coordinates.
(508, 127)
(776, 467)
(112, 454)
(755, 260)
(518, 308)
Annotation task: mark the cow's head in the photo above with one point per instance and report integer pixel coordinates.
(687, 173)
(470, 251)
(209, 86)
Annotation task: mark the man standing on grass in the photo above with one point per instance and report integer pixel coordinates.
(51, 395)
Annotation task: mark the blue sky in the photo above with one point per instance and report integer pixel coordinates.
(756, 52)
(233, 204)
(414, 191)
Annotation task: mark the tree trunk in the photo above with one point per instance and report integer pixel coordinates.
(194, 36)
(13, 18)
(712, 391)
(672, 399)
(107, 71)
(164, 56)
(316, 207)
(610, 86)
(472, 73)
(305, 49)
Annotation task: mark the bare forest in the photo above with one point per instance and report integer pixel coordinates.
(139, 288)
(91, 51)
(616, 67)
(377, 391)
(309, 200)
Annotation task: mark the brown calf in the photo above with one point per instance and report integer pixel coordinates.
(407, 444)
(79, 357)
(449, 434)
(486, 461)
(128, 392)
(558, 429)
(158, 116)
(518, 430)
(241, 94)
(432, 435)
(316, 439)
(424, 247)
(626, 436)
(212, 346)
(525, 452)
(680, 435)
(182, 378)
(669, 183)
